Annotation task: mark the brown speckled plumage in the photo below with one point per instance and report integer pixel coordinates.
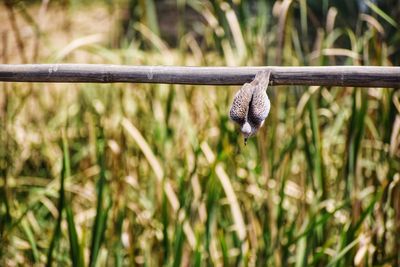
(251, 105)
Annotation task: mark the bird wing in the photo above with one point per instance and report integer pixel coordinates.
(241, 102)
(259, 105)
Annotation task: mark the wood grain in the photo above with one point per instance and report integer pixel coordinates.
(345, 76)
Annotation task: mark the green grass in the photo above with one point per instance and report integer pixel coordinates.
(157, 175)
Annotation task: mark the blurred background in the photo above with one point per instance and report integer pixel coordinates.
(157, 175)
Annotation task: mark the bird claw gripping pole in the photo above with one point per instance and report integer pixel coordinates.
(251, 105)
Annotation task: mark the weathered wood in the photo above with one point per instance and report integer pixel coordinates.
(357, 76)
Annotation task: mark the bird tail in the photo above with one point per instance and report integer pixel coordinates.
(262, 78)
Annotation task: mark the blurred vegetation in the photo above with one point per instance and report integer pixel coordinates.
(151, 175)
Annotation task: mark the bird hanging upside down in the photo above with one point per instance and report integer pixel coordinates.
(251, 105)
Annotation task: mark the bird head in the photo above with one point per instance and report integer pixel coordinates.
(247, 130)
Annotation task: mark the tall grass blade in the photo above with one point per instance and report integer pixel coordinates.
(31, 240)
(118, 247)
(151, 14)
(165, 223)
(76, 251)
(65, 172)
(301, 252)
(102, 209)
(382, 14)
(178, 245)
(343, 253)
(317, 156)
(224, 248)
(197, 259)
(354, 138)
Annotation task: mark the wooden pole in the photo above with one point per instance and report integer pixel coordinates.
(345, 76)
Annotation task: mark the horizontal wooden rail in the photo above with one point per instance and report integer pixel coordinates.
(357, 76)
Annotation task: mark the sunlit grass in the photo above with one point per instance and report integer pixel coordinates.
(133, 174)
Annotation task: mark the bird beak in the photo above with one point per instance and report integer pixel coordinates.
(245, 141)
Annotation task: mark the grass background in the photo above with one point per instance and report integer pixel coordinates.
(151, 175)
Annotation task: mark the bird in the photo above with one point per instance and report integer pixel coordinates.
(251, 105)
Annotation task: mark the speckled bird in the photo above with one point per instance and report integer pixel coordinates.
(251, 105)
